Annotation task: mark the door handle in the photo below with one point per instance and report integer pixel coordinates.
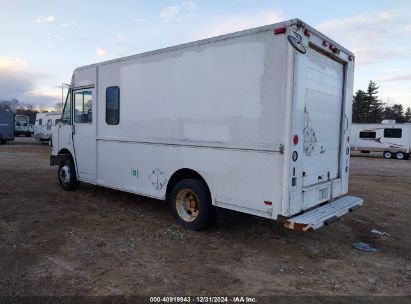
(346, 122)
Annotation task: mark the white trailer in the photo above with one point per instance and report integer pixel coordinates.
(255, 121)
(45, 122)
(391, 139)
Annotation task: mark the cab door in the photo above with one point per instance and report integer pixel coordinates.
(84, 133)
(62, 137)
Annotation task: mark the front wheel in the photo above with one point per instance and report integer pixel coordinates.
(387, 154)
(190, 203)
(67, 175)
(400, 155)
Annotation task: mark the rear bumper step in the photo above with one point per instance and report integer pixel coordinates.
(324, 215)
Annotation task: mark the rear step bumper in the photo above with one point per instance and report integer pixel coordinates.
(324, 215)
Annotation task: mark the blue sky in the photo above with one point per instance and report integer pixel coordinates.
(43, 41)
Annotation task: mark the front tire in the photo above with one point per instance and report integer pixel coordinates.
(400, 155)
(67, 175)
(190, 203)
(387, 155)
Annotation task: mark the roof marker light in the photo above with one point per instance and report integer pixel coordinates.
(280, 30)
(307, 33)
(325, 43)
(334, 49)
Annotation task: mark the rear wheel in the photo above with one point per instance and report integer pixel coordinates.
(3, 141)
(400, 155)
(190, 203)
(407, 156)
(67, 175)
(387, 154)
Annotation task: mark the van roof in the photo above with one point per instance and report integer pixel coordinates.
(218, 38)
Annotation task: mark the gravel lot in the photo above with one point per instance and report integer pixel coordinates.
(97, 241)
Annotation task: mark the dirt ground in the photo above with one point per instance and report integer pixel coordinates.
(97, 241)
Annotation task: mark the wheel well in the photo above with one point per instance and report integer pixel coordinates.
(66, 152)
(181, 174)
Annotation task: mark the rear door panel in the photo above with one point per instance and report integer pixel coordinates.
(322, 126)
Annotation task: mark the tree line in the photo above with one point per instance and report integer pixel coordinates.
(20, 108)
(367, 107)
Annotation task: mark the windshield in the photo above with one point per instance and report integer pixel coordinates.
(66, 117)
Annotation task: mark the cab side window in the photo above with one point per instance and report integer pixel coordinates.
(83, 107)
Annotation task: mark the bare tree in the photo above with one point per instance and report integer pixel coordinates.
(58, 107)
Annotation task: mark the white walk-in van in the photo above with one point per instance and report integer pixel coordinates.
(256, 121)
(391, 139)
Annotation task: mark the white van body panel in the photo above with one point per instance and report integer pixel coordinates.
(227, 108)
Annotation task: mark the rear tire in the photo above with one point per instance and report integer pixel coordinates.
(407, 156)
(3, 141)
(190, 203)
(67, 175)
(387, 155)
(400, 155)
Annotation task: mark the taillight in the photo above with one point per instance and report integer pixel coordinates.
(295, 139)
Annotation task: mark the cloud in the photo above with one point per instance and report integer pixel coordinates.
(12, 64)
(373, 38)
(100, 52)
(189, 4)
(18, 81)
(169, 13)
(139, 20)
(45, 19)
(119, 37)
(69, 24)
(229, 24)
(403, 77)
(55, 36)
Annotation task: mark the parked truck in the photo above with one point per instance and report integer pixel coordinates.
(256, 121)
(6, 126)
(391, 139)
(44, 124)
(22, 126)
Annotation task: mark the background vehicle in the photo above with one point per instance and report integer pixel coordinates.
(256, 121)
(6, 126)
(45, 122)
(391, 139)
(22, 126)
